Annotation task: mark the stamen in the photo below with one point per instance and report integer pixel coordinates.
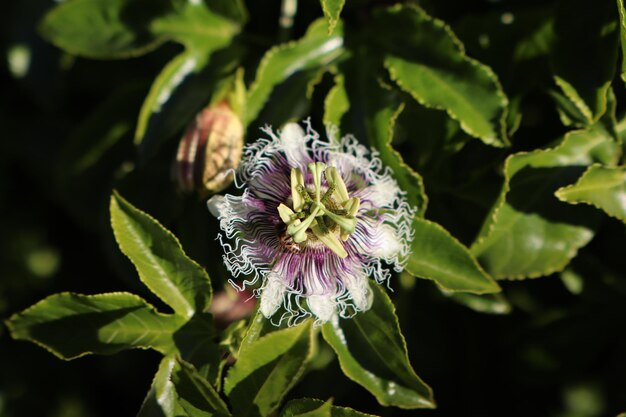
(330, 240)
(332, 176)
(298, 231)
(304, 194)
(317, 169)
(347, 223)
(297, 180)
(328, 194)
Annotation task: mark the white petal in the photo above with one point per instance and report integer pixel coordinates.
(215, 204)
(384, 192)
(272, 295)
(388, 244)
(360, 292)
(322, 306)
(292, 137)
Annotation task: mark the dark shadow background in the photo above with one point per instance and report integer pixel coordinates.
(561, 352)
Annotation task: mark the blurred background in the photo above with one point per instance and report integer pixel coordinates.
(66, 130)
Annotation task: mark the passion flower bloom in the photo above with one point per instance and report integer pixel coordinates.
(316, 219)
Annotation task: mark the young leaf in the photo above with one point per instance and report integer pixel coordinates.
(529, 233)
(159, 259)
(161, 400)
(584, 60)
(332, 10)
(311, 407)
(437, 255)
(73, 325)
(372, 352)
(426, 60)
(601, 187)
(315, 49)
(267, 369)
(195, 393)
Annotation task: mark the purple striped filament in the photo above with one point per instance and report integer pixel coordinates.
(315, 221)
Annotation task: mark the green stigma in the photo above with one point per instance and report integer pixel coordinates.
(320, 212)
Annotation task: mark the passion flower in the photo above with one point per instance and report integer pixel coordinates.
(316, 219)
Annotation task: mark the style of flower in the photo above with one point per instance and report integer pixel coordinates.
(316, 219)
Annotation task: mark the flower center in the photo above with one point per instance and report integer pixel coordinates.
(323, 212)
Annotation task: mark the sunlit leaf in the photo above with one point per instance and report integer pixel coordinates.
(267, 369)
(529, 233)
(425, 59)
(372, 352)
(601, 187)
(437, 255)
(310, 407)
(314, 50)
(103, 323)
(160, 260)
(336, 103)
(332, 10)
(161, 400)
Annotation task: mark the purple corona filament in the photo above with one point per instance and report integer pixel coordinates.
(315, 221)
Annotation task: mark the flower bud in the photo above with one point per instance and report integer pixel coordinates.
(209, 151)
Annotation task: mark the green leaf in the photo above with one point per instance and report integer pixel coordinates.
(161, 400)
(373, 111)
(622, 29)
(267, 369)
(381, 120)
(426, 60)
(290, 101)
(195, 393)
(73, 325)
(601, 187)
(336, 103)
(159, 259)
(372, 352)
(322, 409)
(310, 407)
(332, 10)
(199, 26)
(529, 233)
(316, 49)
(485, 303)
(183, 87)
(437, 255)
(109, 29)
(105, 29)
(584, 60)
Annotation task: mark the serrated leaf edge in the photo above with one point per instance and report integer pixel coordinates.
(504, 101)
(500, 203)
(116, 196)
(471, 256)
(388, 301)
(8, 321)
(561, 191)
